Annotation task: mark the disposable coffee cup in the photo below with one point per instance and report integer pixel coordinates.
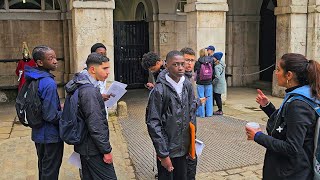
(253, 125)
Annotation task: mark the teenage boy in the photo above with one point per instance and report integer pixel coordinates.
(95, 148)
(152, 62)
(169, 128)
(48, 144)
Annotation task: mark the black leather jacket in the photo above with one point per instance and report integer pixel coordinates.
(92, 111)
(169, 130)
(290, 144)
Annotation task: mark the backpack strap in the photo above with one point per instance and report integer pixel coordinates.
(312, 104)
(316, 155)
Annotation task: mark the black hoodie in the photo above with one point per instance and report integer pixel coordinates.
(93, 112)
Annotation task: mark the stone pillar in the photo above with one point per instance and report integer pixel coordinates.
(291, 32)
(167, 35)
(313, 31)
(206, 24)
(92, 22)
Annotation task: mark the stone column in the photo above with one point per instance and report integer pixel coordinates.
(167, 35)
(313, 31)
(206, 24)
(92, 22)
(291, 32)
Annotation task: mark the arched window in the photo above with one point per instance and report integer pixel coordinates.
(181, 4)
(141, 12)
(30, 4)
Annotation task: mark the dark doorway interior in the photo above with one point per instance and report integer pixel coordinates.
(267, 51)
(131, 42)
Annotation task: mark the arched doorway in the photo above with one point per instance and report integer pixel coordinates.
(131, 41)
(267, 44)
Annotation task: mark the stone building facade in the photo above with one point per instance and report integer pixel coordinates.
(253, 34)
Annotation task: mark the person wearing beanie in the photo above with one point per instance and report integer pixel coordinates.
(219, 81)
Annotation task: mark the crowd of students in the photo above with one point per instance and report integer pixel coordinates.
(171, 113)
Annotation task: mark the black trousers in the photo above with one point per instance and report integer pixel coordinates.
(94, 168)
(49, 160)
(192, 167)
(217, 98)
(180, 165)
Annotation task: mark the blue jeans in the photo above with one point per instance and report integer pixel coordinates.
(207, 109)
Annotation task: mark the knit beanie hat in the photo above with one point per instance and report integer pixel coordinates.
(218, 55)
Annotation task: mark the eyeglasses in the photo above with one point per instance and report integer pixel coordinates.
(178, 64)
(189, 60)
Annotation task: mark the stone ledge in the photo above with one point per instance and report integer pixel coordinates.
(92, 5)
(211, 7)
(291, 10)
(314, 9)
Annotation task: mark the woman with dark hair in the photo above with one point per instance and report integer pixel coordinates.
(291, 128)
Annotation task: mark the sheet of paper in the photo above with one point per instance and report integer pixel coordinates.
(122, 85)
(74, 159)
(199, 147)
(118, 90)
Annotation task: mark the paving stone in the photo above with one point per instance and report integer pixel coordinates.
(4, 136)
(252, 168)
(20, 127)
(234, 171)
(248, 174)
(5, 130)
(259, 172)
(20, 133)
(234, 177)
(6, 124)
(221, 173)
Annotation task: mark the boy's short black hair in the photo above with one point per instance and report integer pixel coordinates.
(96, 46)
(38, 52)
(188, 50)
(172, 54)
(96, 59)
(149, 59)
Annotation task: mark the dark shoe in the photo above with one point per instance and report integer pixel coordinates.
(218, 113)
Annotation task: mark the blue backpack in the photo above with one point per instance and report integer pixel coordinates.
(316, 154)
(71, 125)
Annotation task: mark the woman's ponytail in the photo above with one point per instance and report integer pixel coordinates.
(313, 71)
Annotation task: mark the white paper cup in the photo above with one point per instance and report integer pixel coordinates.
(253, 125)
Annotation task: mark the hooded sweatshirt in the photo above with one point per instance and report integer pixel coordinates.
(51, 109)
(93, 112)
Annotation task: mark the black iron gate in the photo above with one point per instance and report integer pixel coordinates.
(131, 40)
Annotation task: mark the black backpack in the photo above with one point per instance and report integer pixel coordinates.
(28, 104)
(71, 125)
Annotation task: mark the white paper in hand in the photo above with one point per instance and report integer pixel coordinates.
(199, 147)
(74, 159)
(118, 90)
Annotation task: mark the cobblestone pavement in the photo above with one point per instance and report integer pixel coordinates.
(227, 154)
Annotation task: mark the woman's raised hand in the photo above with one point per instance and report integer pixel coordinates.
(261, 98)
